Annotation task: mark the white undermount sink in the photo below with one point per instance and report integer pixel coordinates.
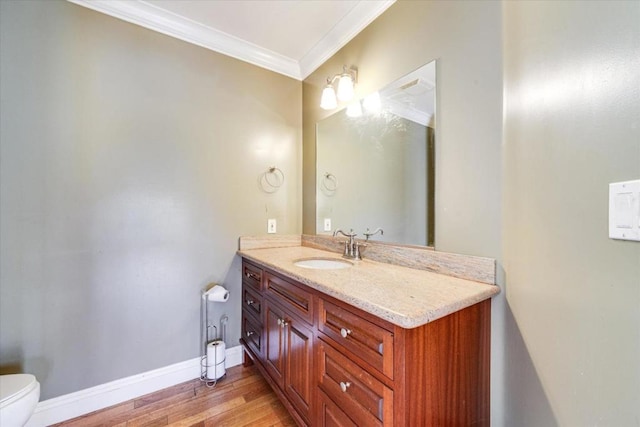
(322, 263)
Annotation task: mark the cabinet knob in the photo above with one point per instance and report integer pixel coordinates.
(250, 301)
(344, 332)
(249, 333)
(344, 386)
(251, 276)
(282, 323)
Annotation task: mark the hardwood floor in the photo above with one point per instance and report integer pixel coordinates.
(242, 398)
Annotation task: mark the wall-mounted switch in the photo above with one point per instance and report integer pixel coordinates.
(327, 224)
(624, 210)
(271, 225)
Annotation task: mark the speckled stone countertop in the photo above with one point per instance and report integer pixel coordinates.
(404, 296)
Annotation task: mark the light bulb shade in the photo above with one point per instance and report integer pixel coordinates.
(345, 87)
(328, 100)
(354, 109)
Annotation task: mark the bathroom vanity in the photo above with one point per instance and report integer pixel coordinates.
(372, 344)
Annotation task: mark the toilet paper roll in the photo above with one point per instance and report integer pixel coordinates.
(217, 294)
(216, 354)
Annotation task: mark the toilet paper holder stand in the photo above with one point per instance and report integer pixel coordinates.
(218, 336)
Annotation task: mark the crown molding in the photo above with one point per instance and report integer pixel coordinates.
(149, 16)
(162, 21)
(364, 13)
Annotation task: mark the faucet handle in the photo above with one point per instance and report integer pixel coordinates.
(346, 248)
(356, 250)
(376, 231)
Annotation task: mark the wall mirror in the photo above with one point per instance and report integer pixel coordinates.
(375, 163)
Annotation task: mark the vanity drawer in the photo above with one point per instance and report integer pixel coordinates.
(252, 302)
(356, 392)
(331, 415)
(252, 275)
(290, 296)
(252, 333)
(371, 342)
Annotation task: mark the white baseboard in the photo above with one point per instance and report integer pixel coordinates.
(82, 402)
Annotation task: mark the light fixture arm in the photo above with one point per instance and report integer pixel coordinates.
(351, 72)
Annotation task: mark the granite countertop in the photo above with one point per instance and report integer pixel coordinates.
(404, 296)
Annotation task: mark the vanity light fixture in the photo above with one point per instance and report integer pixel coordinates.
(328, 100)
(346, 88)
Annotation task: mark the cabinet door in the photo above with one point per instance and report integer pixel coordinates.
(274, 342)
(299, 356)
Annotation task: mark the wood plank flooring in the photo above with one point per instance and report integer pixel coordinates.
(242, 398)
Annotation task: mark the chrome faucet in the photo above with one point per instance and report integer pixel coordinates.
(351, 247)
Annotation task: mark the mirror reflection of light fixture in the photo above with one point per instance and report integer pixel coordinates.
(372, 103)
(354, 109)
(346, 88)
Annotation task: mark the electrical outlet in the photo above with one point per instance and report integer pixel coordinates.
(327, 224)
(271, 225)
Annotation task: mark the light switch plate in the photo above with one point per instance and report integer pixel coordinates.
(271, 225)
(327, 224)
(624, 210)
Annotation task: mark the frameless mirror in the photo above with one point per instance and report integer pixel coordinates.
(375, 163)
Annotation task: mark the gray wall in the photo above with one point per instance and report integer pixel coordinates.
(465, 39)
(123, 159)
(129, 167)
(566, 329)
(572, 126)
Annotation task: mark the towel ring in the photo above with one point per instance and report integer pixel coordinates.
(272, 179)
(329, 182)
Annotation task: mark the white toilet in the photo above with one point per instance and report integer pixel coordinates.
(19, 395)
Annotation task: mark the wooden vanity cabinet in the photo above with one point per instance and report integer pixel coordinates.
(253, 335)
(289, 344)
(286, 354)
(289, 356)
(335, 365)
(370, 340)
(367, 400)
(330, 415)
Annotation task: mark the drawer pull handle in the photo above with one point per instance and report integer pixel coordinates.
(344, 332)
(249, 333)
(250, 301)
(252, 276)
(344, 386)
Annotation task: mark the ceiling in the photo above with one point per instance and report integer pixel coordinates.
(291, 37)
